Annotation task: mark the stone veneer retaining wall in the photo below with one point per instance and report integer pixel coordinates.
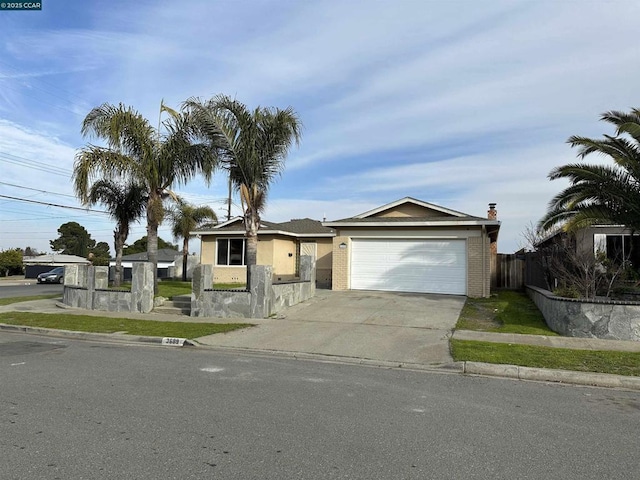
(263, 298)
(616, 320)
(87, 287)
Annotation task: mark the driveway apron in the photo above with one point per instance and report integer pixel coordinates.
(381, 326)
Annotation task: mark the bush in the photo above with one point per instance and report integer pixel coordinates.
(567, 292)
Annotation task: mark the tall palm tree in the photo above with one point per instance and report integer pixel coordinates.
(126, 204)
(253, 146)
(185, 218)
(601, 193)
(139, 153)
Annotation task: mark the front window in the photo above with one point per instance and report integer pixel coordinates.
(619, 248)
(231, 251)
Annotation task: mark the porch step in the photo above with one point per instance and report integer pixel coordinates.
(180, 305)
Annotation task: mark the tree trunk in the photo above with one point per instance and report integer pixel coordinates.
(119, 240)
(152, 236)
(252, 222)
(185, 257)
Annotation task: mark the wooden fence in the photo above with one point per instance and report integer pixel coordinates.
(507, 271)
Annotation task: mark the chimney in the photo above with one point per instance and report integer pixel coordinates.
(492, 214)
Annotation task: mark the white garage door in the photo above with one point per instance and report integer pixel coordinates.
(427, 266)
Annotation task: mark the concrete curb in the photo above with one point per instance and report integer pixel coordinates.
(455, 367)
(470, 368)
(99, 337)
(551, 375)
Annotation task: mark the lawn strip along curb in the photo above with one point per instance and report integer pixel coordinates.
(101, 337)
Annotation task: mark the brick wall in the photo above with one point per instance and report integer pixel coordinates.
(340, 263)
(477, 282)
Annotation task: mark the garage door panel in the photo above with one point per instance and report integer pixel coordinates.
(428, 266)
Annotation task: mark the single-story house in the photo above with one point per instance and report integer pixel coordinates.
(166, 263)
(408, 246)
(279, 245)
(413, 246)
(33, 266)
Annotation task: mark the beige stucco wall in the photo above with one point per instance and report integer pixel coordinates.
(282, 263)
(324, 261)
(272, 250)
(409, 210)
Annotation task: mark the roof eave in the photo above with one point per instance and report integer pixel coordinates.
(447, 223)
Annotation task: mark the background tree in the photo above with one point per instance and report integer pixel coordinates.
(156, 159)
(253, 146)
(10, 262)
(601, 193)
(185, 218)
(125, 204)
(100, 254)
(31, 252)
(73, 240)
(140, 245)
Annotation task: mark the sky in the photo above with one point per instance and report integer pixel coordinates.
(457, 103)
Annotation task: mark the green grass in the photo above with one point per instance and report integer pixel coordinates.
(89, 323)
(172, 288)
(618, 363)
(504, 312)
(229, 286)
(9, 301)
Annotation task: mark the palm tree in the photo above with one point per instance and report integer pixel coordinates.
(139, 153)
(185, 218)
(601, 193)
(126, 204)
(253, 146)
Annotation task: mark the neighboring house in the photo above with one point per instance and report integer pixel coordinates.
(616, 241)
(166, 263)
(279, 245)
(45, 263)
(413, 246)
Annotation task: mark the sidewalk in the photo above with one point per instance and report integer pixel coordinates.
(572, 343)
(310, 352)
(15, 280)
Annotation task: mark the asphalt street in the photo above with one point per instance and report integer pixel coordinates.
(73, 409)
(8, 291)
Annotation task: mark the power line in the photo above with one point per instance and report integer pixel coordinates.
(53, 204)
(26, 162)
(37, 190)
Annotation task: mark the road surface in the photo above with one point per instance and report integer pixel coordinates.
(73, 409)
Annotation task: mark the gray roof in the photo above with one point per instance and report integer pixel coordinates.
(296, 226)
(164, 255)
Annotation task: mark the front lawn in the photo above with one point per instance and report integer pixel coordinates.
(89, 323)
(506, 311)
(618, 363)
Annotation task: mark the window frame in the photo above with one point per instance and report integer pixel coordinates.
(229, 240)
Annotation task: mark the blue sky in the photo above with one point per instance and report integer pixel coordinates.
(458, 103)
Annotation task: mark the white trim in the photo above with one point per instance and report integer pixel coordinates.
(414, 223)
(268, 232)
(244, 248)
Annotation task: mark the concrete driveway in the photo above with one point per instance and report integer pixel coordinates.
(380, 326)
